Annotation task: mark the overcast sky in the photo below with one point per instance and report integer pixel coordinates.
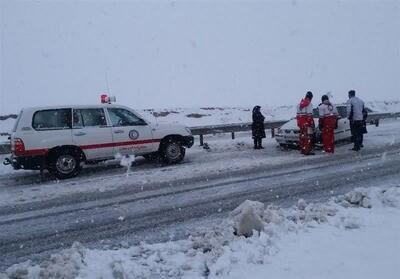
(197, 53)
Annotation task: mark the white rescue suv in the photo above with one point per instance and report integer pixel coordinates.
(61, 138)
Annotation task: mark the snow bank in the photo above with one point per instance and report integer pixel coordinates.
(341, 238)
(63, 265)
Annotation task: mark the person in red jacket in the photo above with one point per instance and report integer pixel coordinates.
(305, 122)
(327, 123)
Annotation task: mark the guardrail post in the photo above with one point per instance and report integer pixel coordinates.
(201, 140)
(233, 135)
(272, 132)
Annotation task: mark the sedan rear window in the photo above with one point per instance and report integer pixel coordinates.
(315, 113)
(342, 112)
(52, 119)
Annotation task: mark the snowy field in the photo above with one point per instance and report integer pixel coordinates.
(351, 236)
(224, 115)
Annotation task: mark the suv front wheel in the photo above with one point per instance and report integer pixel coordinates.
(172, 152)
(65, 163)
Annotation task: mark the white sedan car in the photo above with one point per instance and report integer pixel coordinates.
(288, 134)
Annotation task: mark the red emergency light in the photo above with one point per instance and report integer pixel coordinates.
(105, 99)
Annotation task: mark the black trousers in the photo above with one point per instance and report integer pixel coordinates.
(357, 131)
(257, 142)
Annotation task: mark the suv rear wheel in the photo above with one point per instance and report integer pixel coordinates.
(172, 152)
(65, 163)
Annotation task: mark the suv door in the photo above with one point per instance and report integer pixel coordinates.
(131, 134)
(91, 132)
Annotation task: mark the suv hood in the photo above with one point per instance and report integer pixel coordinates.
(170, 128)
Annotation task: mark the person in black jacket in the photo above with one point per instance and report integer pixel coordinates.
(257, 127)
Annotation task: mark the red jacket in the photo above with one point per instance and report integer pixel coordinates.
(305, 114)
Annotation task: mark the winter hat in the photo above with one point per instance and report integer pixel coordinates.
(309, 95)
(324, 98)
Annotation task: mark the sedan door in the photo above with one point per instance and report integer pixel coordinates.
(343, 131)
(131, 134)
(92, 134)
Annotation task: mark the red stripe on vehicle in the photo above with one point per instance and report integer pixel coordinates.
(33, 152)
(44, 151)
(116, 144)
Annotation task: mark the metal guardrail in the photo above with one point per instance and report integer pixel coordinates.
(232, 128)
(377, 116)
(5, 148)
(200, 131)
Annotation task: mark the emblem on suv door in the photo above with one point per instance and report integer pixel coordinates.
(133, 134)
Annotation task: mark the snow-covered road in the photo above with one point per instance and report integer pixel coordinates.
(107, 203)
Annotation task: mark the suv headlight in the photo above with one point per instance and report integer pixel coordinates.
(188, 130)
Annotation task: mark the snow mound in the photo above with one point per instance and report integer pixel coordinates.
(369, 198)
(64, 265)
(247, 218)
(217, 252)
(391, 197)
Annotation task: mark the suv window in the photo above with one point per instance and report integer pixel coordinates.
(123, 117)
(89, 118)
(52, 119)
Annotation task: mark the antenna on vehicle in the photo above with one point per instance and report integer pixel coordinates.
(107, 84)
(105, 98)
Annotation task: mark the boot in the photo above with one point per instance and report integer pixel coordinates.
(255, 144)
(260, 144)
